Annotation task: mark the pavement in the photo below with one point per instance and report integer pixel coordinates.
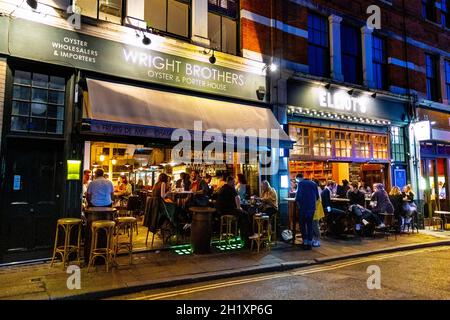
(167, 268)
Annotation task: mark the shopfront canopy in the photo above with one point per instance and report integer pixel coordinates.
(126, 110)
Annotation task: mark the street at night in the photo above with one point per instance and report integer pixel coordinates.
(419, 274)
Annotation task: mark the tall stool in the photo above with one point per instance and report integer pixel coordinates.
(226, 222)
(106, 253)
(67, 225)
(263, 233)
(127, 224)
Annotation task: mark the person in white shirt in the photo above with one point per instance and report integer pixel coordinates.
(100, 192)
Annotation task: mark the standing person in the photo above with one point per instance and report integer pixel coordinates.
(200, 190)
(306, 198)
(318, 215)
(332, 213)
(100, 192)
(241, 186)
(356, 196)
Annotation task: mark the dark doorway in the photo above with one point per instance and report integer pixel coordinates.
(32, 198)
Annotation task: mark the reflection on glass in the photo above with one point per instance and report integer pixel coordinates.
(37, 125)
(21, 93)
(56, 97)
(40, 80)
(20, 108)
(57, 83)
(38, 109)
(22, 77)
(39, 95)
(19, 124)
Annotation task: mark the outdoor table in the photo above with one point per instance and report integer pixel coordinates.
(341, 203)
(201, 229)
(179, 196)
(94, 214)
(293, 214)
(445, 215)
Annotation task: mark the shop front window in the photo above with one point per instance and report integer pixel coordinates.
(322, 143)
(380, 147)
(362, 145)
(343, 144)
(301, 136)
(107, 10)
(37, 103)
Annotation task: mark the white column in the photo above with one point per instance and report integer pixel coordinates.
(367, 56)
(445, 98)
(199, 22)
(335, 47)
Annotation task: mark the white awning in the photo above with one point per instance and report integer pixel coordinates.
(135, 111)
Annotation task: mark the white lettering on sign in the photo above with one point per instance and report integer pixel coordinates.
(341, 100)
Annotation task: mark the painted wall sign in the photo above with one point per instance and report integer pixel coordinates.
(333, 100)
(64, 47)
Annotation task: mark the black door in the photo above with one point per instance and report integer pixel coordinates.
(32, 198)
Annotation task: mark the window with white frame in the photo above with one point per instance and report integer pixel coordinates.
(398, 144)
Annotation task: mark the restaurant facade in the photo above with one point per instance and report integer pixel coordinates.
(111, 96)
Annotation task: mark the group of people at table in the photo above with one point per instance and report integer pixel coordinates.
(229, 197)
(314, 204)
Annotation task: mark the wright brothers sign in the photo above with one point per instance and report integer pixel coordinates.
(44, 43)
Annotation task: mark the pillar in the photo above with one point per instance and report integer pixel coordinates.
(335, 47)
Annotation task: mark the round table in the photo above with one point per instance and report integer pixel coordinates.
(95, 214)
(201, 229)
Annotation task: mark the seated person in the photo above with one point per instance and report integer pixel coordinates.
(332, 213)
(229, 203)
(100, 191)
(269, 199)
(125, 189)
(341, 191)
(396, 198)
(380, 196)
(355, 195)
(200, 190)
(361, 214)
(241, 186)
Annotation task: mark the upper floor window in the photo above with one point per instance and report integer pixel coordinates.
(351, 54)
(318, 45)
(379, 62)
(107, 10)
(222, 25)
(432, 78)
(398, 144)
(38, 102)
(445, 10)
(429, 10)
(447, 78)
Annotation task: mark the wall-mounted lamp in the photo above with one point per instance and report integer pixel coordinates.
(146, 40)
(374, 95)
(33, 4)
(328, 86)
(261, 93)
(271, 67)
(102, 158)
(433, 123)
(351, 92)
(211, 59)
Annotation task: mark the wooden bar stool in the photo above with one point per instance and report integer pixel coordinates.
(263, 232)
(67, 225)
(226, 222)
(107, 252)
(127, 224)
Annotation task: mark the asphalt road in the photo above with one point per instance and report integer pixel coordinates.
(417, 274)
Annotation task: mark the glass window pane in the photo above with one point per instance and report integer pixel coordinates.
(228, 36)
(54, 126)
(40, 80)
(21, 108)
(88, 7)
(22, 93)
(57, 83)
(38, 110)
(39, 95)
(55, 112)
(37, 125)
(110, 10)
(22, 77)
(178, 18)
(214, 31)
(56, 97)
(155, 14)
(19, 124)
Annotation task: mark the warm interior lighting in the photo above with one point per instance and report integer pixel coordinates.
(102, 158)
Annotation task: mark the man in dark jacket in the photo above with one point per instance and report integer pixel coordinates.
(332, 215)
(306, 198)
(356, 196)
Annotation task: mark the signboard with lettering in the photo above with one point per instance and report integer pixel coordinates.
(77, 50)
(334, 100)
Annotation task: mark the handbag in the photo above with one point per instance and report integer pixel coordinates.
(318, 214)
